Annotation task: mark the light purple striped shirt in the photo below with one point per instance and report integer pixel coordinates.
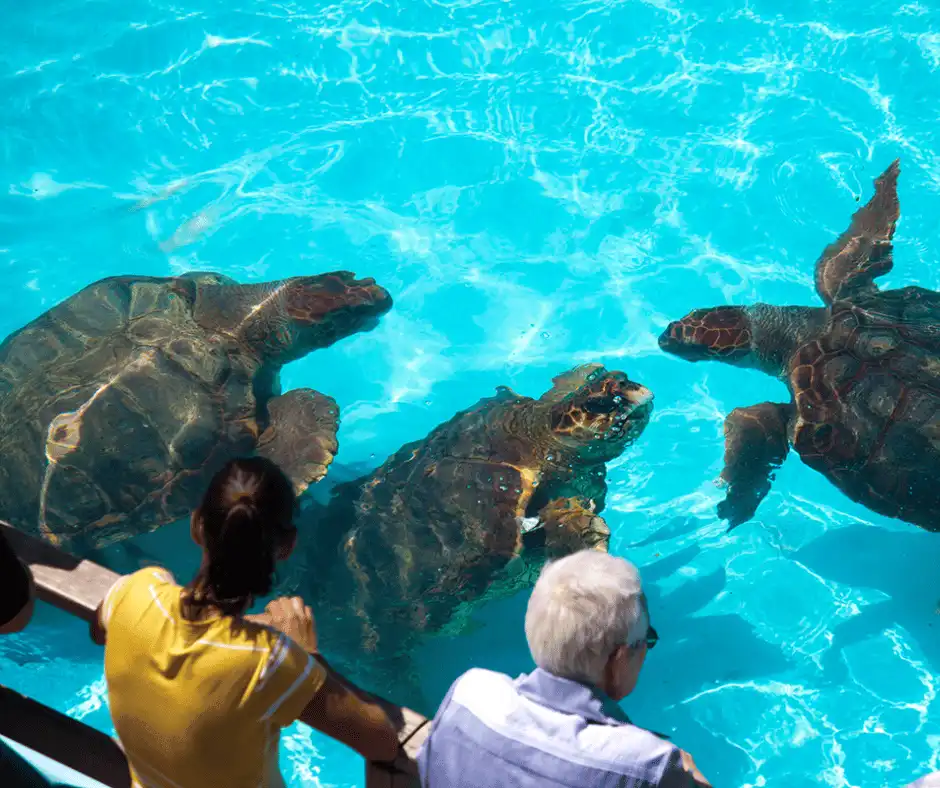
(541, 730)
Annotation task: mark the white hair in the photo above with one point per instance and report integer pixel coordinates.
(582, 607)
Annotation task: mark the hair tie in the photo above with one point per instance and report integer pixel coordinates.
(242, 489)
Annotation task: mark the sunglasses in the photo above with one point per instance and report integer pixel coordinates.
(651, 639)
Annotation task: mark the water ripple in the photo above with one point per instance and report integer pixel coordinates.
(539, 186)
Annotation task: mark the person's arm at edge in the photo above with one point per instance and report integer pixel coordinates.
(19, 589)
(22, 618)
(97, 629)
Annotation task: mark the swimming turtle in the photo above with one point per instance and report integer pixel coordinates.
(398, 550)
(863, 373)
(118, 404)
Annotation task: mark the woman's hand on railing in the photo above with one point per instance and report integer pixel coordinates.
(292, 617)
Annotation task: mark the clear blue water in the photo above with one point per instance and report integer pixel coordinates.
(538, 184)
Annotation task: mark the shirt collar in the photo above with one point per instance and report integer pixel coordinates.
(570, 697)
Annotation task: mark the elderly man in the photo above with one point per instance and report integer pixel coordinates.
(588, 629)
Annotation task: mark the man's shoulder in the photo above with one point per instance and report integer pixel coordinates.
(486, 708)
(495, 697)
(479, 677)
(481, 685)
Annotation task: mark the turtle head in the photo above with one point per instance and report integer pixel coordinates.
(723, 333)
(602, 416)
(321, 310)
(287, 319)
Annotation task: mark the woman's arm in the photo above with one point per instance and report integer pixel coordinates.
(339, 708)
(348, 715)
(352, 716)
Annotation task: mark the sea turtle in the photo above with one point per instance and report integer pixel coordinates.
(863, 373)
(119, 403)
(395, 552)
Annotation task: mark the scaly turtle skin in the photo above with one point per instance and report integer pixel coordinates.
(863, 371)
(431, 529)
(118, 405)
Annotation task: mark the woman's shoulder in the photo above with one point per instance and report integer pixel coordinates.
(134, 591)
(146, 579)
(157, 572)
(150, 575)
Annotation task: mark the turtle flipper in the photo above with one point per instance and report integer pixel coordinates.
(570, 524)
(570, 381)
(301, 435)
(863, 251)
(755, 444)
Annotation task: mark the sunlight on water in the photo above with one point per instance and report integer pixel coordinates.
(538, 186)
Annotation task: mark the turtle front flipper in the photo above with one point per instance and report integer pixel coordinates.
(755, 444)
(301, 435)
(863, 251)
(569, 525)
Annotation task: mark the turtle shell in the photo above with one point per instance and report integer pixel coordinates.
(867, 399)
(428, 529)
(115, 408)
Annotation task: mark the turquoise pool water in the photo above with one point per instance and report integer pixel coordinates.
(538, 184)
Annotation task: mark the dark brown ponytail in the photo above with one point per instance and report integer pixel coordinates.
(246, 517)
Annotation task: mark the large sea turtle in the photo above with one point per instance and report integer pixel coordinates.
(119, 403)
(396, 552)
(863, 372)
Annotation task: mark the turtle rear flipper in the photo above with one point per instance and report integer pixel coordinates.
(301, 435)
(864, 251)
(755, 444)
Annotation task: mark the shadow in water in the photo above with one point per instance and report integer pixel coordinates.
(675, 527)
(900, 564)
(697, 653)
(169, 546)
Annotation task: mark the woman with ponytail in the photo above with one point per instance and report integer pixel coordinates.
(198, 690)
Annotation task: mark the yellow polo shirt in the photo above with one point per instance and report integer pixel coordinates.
(198, 703)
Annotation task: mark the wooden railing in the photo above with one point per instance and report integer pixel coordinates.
(77, 587)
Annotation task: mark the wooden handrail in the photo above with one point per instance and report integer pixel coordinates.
(77, 586)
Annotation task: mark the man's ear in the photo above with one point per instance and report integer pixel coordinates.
(610, 669)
